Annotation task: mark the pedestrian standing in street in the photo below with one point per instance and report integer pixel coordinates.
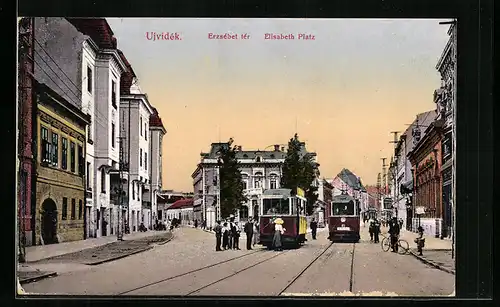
(278, 232)
(218, 236)
(314, 228)
(376, 230)
(371, 229)
(225, 236)
(236, 236)
(249, 232)
(256, 233)
(196, 223)
(204, 224)
(230, 234)
(394, 232)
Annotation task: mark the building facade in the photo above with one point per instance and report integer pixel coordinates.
(444, 97)
(166, 198)
(426, 160)
(323, 208)
(401, 193)
(348, 181)
(260, 170)
(135, 134)
(156, 133)
(60, 181)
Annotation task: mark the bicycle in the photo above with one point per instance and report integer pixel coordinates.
(403, 245)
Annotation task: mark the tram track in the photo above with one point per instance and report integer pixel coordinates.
(316, 260)
(189, 272)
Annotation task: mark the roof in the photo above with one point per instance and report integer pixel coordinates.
(98, 29)
(351, 180)
(250, 154)
(155, 120)
(282, 192)
(182, 203)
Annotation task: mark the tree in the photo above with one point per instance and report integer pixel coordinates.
(300, 170)
(231, 184)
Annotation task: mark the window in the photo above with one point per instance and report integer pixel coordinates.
(343, 208)
(257, 180)
(113, 135)
(54, 149)
(274, 182)
(73, 208)
(45, 145)
(133, 190)
(103, 181)
(65, 209)
(244, 212)
(146, 132)
(276, 206)
(141, 125)
(64, 157)
(113, 93)
(72, 156)
(81, 160)
(89, 79)
(88, 176)
(140, 157)
(80, 209)
(244, 179)
(146, 160)
(89, 132)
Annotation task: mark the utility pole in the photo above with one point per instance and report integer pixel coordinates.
(119, 233)
(395, 170)
(379, 191)
(384, 175)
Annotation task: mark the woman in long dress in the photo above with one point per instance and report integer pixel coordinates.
(225, 236)
(278, 232)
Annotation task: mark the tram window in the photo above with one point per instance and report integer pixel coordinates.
(294, 205)
(343, 208)
(276, 206)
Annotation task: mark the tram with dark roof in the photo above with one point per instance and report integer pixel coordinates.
(280, 203)
(344, 220)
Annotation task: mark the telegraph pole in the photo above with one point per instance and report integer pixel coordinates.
(395, 169)
(119, 233)
(384, 175)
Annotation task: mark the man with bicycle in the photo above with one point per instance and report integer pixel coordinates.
(394, 231)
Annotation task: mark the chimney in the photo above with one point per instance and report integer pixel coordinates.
(239, 148)
(283, 148)
(276, 147)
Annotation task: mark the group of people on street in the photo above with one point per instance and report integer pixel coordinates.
(228, 234)
(374, 230)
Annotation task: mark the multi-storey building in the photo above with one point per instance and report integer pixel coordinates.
(322, 207)
(260, 170)
(401, 195)
(166, 198)
(156, 133)
(135, 135)
(444, 97)
(60, 181)
(77, 58)
(350, 183)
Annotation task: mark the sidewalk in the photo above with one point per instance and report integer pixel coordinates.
(436, 252)
(39, 252)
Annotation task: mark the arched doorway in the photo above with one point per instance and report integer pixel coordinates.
(244, 213)
(49, 221)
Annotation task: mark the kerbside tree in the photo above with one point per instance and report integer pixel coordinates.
(300, 170)
(231, 184)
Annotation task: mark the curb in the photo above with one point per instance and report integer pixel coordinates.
(431, 263)
(166, 241)
(37, 278)
(119, 257)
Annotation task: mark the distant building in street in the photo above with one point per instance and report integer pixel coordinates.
(134, 131)
(156, 133)
(401, 194)
(426, 161)
(350, 183)
(166, 198)
(60, 183)
(323, 204)
(183, 210)
(260, 170)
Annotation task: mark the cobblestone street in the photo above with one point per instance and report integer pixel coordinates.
(189, 265)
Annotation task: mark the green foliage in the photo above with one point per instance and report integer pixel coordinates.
(231, 184)
(300, 170)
